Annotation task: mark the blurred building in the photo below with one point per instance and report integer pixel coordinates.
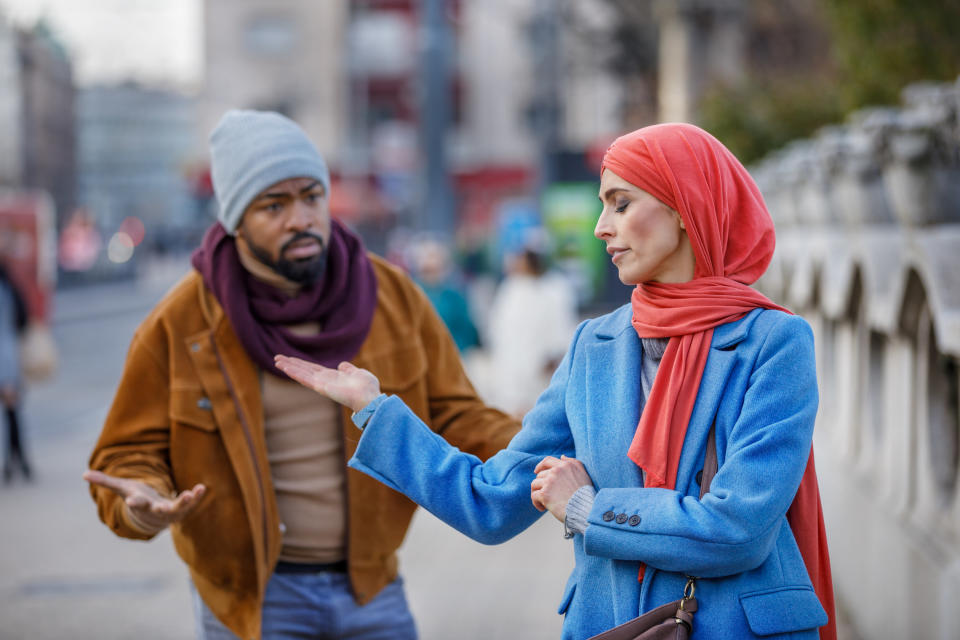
(281, 55)
(11, 109)
(521, 61)
(348, 72)
(868, 226)
(701, 42)
(36, 113)
(48, 124)
(134, 150)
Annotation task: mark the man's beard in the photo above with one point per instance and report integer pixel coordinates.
(305, 271)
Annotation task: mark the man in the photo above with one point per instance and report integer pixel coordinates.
(246, 466)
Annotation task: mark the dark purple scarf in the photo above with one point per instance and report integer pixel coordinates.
(342, 301)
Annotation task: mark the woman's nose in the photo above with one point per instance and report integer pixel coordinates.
(603, 229)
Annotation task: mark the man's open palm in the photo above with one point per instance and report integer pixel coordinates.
(149, 509)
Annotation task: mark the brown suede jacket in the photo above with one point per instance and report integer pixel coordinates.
(188, 410)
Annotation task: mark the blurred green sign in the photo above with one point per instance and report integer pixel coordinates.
(570, 211)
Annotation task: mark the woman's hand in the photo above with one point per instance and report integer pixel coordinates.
(347, 384)
(556, 481)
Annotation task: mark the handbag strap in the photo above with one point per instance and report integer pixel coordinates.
(688, 603)
(710, 462)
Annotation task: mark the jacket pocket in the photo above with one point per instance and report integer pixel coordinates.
(783, 610)
(401, 368)
(568, 592)
(193, 408)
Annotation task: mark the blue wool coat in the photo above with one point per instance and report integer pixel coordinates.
(759, 386)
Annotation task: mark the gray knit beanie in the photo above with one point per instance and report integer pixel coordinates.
(252, 150)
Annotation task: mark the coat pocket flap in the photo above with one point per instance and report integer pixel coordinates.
(783, 610)
(192, 407)
(567, 595)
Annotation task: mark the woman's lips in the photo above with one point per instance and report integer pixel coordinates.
(616, 254)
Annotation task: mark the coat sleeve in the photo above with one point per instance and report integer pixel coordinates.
(735, 526)
(456, 412)
(134, 442)
(488, 501)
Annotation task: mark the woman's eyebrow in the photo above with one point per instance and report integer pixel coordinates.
(609, 192)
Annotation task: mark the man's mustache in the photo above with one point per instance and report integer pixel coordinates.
(302, 235)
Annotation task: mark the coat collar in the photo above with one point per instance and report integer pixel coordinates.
(613, 325)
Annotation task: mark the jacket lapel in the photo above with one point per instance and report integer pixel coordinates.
(225, 370)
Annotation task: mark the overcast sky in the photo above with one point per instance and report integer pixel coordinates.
(154, 41)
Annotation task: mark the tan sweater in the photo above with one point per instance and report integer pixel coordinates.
(304, 448)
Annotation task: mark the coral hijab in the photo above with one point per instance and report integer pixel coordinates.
(732, 237)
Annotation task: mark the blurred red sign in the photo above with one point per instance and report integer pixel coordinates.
(28, 246)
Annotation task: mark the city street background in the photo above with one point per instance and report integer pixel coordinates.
(461, 135)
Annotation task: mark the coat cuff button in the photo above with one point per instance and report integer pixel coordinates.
(621, 518)
(608, 516)
(633, 521)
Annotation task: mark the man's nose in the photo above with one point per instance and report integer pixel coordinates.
(301, 216)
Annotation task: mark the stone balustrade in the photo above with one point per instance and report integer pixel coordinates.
(868, 231)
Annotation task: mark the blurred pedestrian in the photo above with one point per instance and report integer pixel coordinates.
(532, 318)
(247, 467)
(616, 447)
(435, 275)
(13, 322)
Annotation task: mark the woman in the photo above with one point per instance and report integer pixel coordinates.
(614, 446)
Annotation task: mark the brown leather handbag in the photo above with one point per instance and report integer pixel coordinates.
(674, 620)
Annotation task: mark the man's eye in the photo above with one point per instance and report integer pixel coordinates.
(274, 207)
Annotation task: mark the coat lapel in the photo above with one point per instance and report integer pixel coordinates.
(612, 405)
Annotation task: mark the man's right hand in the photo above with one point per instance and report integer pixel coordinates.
(349, 385)
(148, 510)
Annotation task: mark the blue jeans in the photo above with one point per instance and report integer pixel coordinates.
(319, 606)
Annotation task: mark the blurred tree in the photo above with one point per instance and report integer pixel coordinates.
(762, 115)
(882, 45)
(809, 62)
(790, 86)
(873, 48)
